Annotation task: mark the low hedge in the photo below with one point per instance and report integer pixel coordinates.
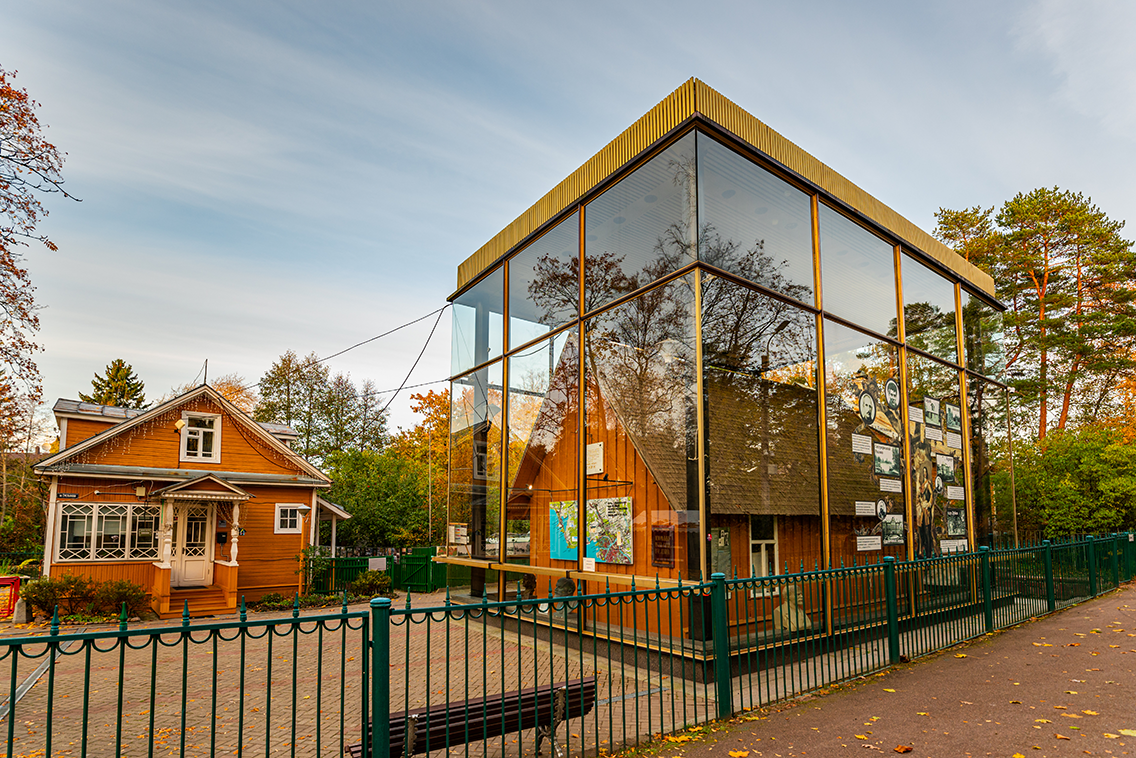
(75, 595)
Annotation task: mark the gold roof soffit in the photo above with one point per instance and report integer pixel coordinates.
(695, 98)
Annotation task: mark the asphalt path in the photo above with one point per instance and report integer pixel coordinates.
(1061, 685)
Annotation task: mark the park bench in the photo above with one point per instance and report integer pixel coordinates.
(449, 724)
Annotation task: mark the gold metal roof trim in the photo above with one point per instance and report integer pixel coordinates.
(696, 98)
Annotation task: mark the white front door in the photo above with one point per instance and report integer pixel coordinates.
(193, 545)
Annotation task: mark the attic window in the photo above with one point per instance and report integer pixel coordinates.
(201, 437)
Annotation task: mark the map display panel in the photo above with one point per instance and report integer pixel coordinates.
(609, 523)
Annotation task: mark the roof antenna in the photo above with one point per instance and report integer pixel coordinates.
(207, 371)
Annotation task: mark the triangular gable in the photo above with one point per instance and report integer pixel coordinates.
(208, 487)
(238, 417)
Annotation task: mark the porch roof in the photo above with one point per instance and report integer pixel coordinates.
(177, 474)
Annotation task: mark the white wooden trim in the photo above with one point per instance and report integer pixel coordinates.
(50, 528)
(62, 433)
(218, 422)
(299, 518)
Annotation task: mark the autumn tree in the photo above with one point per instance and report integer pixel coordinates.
(118, 386)
(233, 387)
(29, 168)
(1068, 279)
(426, 443)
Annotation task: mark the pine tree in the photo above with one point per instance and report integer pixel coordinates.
(118, 386)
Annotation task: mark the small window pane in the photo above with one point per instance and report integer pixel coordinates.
(928, 311)
(478, 323)
(544, 283)
(207, 444)
(191, 444)
(858, 273)
(752, 223)
(983, 337)
(642, 228)
(476, 435)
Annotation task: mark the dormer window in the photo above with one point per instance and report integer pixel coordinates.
(201, 437)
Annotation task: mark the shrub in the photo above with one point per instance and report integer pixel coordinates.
(109, 597)
(72, 593)
(371, 584)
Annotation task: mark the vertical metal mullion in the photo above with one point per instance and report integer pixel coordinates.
(700, 424)
(581, 416)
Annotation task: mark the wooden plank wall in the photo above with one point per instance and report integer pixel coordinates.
(158, 443)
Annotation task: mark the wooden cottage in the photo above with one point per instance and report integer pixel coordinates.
(191, 499)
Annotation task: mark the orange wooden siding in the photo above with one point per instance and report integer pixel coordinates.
(158, 443)
(83, 429)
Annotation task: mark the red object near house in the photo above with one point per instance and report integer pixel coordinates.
(9, 594)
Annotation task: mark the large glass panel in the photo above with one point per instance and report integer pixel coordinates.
(476, 413)
(478, 323)
(762, 446)
(938, 472)
(983, 337)
(928, 311)
(990, 463)
(544, 283)
(641, 424)
(857, 273)
(543, 454)
(865, 447)
(642, 228)
(752, 223)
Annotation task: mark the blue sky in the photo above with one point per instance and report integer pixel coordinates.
(258, 177)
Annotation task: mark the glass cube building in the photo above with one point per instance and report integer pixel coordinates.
(706, 351)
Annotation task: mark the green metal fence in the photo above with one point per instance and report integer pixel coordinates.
(251, 687)
(339, 573)
(594, 671)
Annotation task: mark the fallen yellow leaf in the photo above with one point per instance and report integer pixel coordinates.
(738, 753)
(960, 655)
(922, 713)
(1061, 737)
(1091, 713)
(1072, 715)
(1128, 732)
(1070, 692)
(887, 690)
(1015, 702)
(906, 749)
(1111, 736)
(861, 737)
(1042, 721)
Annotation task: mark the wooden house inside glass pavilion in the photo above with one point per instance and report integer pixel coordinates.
(706, 351)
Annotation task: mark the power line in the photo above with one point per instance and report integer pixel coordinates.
(416, 360)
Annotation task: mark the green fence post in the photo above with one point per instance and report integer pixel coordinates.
(720, 625)
(1092, 566)
(987, 590)
(380, 676)
(892, 599)
(1050, 597)
(1115, 560)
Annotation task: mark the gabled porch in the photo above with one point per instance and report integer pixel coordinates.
(200, 530)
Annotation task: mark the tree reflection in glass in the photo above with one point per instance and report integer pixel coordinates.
(752, 223)
(641, 385)
(928, 311)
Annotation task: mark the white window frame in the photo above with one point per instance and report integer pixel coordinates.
(299, 508)
(130, 550)
(764, 546)
(187, 431)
